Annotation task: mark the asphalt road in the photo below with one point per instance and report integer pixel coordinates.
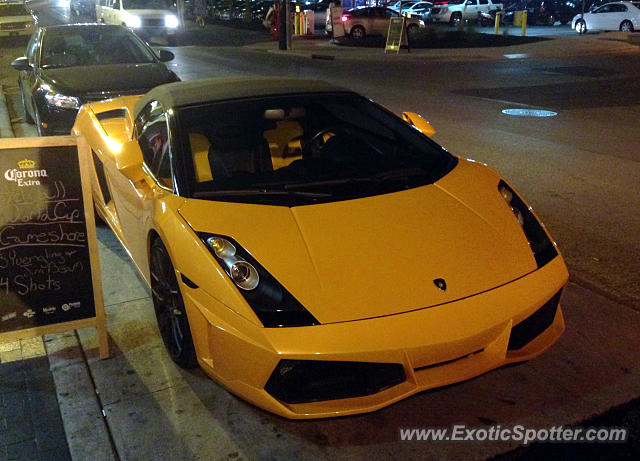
(578, 169)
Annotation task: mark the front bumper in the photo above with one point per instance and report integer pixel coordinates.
(434, 346)
(16, 32)
(440, 17)
(57, 121)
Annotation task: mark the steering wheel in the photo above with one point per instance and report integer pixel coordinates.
(317, 141)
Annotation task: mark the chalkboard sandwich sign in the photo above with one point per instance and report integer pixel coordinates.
(49, 270)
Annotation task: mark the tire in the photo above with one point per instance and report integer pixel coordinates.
(581, 26)
(169, 307)
(455, 19)
(38, 123)
(412, 29)
(358, 33)
(27, 118)
(626, 26)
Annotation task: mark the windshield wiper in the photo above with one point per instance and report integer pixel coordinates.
(400, 173)
(383, 176)
(261, 192)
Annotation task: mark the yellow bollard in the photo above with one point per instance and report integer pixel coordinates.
(296, 24)
(497, 26)
(524, 23)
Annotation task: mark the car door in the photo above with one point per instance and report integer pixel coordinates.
(383, 18)
(470, 10)
(134, 202)
(28, 80)
(598, 19)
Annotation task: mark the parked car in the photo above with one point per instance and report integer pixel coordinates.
(15, 19)
(146, 17)
(402, 4)
(316, 254)
(624, 16)
(546, 12)
(66, 66)
(461, 10)
(417, 10)
(83, 8)
(362, 21)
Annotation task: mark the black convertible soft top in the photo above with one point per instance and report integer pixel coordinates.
(192, 92)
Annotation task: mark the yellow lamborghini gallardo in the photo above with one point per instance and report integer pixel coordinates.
(314, 253)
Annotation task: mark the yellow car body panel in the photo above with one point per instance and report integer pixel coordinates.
(352, 264)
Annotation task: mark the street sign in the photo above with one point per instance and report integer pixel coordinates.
(49, 271)
(396, 35)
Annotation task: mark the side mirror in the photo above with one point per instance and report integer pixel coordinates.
(129, 161)
(165, 55)
(418, 122)
(21, 64)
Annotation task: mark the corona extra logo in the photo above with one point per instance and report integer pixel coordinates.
(26, 164)
(26, 175)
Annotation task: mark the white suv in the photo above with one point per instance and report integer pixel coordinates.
(462, 10)
(145, 17)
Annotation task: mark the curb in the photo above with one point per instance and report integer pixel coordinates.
(6, 131)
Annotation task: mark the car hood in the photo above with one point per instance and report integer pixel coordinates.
(381, 255)
(108, 77)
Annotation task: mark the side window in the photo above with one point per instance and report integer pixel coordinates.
(618, 8)
(153, 138)
(483, 2)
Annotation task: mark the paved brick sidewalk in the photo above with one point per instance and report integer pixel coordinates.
(31, 427)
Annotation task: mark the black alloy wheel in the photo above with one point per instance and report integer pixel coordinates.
(626, 26)
(169, 308)
(358, 33)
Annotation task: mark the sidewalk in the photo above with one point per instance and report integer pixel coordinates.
(556, 47)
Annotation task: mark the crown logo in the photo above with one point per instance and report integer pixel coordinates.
(25, 164)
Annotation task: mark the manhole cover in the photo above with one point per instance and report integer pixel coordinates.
(529, 112)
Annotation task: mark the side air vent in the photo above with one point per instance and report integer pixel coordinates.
(102, 179)
(115, 113)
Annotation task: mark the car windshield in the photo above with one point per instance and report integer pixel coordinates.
(93, 46)
(313, 148)
(13, 9)
(146, 4)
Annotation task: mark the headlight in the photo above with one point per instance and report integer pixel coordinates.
(541, 246)
(133, 21)
(61, 101)
(171, 21)
(272, 303)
